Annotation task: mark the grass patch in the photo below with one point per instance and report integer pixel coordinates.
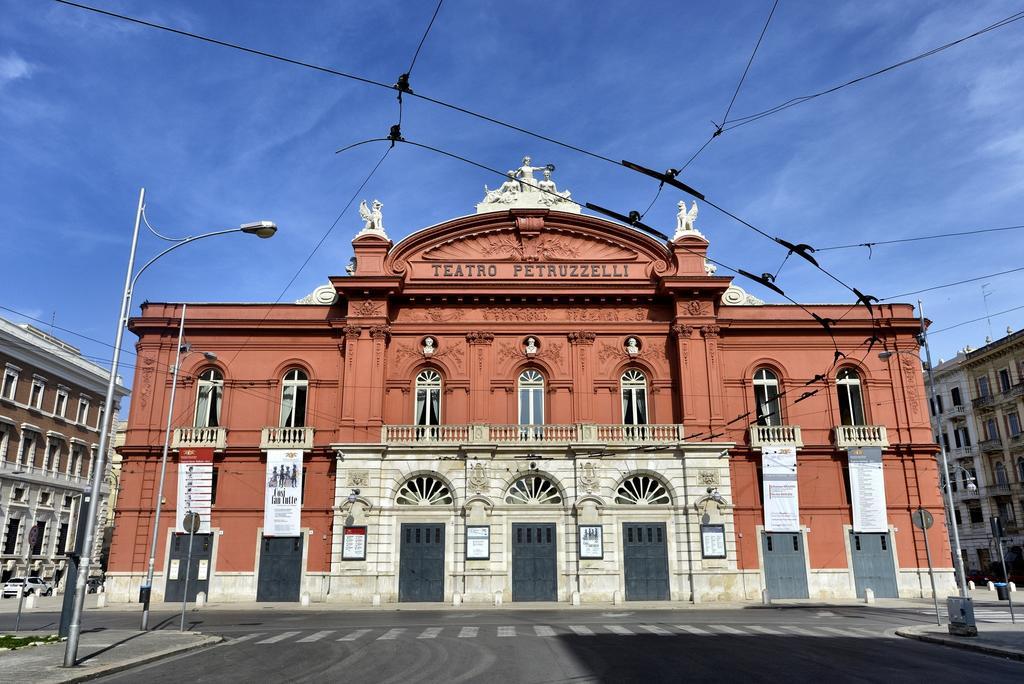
(11, 641)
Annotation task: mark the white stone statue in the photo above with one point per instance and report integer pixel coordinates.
(551, 195)
(531, 345)
(428, 346)
(525, 174)
(710, 268)
(373, 219)
(522, 189)
(632, 348)
(685, 220)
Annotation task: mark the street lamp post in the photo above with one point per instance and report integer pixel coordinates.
(262, 229)
(145, 592)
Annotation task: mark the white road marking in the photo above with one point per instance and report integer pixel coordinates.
(654, 629)
(316, 636)
(693, 630)
(543, 631)
(842, 632)
(799, 630)
(354, 635)
(764, 630)
(581, 630)
(279, 637)
(725, 629)
(391, 634)
(246, 638)
(430, 633)
(506, 631)
(618, 629)
(468, 632)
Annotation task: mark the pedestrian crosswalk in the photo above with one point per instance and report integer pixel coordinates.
(366, 635)
(985, 614)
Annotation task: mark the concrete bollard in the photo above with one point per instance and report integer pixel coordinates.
(456, 599)
(497, 598)
(990, 586)
(1011, 586)
(869, 596)
(766, 598)
(200, 599)
(375, 600)
(616, 598)
(304, 599)
(970, 585)
(30, 601)
(575, 598)
(101, 599)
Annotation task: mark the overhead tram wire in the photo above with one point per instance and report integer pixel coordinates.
(718, 127)
(919, 238)
(750, 118)
(953, 284)
(402, 86)
(975, 320)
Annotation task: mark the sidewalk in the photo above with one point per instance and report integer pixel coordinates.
(994, 639)
(100, 652)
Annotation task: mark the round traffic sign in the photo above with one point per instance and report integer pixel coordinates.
(191, 522)
(923, 519)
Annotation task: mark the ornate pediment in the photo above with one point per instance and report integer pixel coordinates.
(507, 245)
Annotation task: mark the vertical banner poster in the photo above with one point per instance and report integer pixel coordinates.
(195, 487)
(591, 541)
(282, 508)
(867, 490)
(781, 505)
(478, 542)
(353, 543)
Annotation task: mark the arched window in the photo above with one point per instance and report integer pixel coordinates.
(533, 489)
(851, 403)
(531, 402)
(1001, 474)
(634, 398)
(766, 396)
(642, 490)
(209, 394)
(424, 490)
(1020, 469)
(294, 389)
(427, 410)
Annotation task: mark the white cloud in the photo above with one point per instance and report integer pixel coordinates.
(12, 68)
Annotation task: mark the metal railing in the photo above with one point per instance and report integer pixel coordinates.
(215, 437)
(957, 410)
(57, 477)
(286, 438)
(761, 435)
(985, 401)
(964, 451)
(991, 445)
(999, 489)
(861, 435)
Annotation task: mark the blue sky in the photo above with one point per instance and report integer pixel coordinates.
(92, 108)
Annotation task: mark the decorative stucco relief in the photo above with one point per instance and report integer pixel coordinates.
(550, 352)
(506, 245)
(514, 313)
(602, 314)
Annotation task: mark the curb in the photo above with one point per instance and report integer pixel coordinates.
(965, 644)
(113, 668)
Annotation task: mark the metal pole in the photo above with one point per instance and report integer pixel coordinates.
(188, 566)
(958, 555)
(148, 586)
(931, 572)
(1006, 578)
(21, 602)
(75, 628)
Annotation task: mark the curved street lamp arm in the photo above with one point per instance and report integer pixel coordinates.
(175, 246)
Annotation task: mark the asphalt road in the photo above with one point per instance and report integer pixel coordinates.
(791, 644)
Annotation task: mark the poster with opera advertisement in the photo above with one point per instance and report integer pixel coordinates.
(195, 487)
(282, 511)
(867, 489)
(781, 503)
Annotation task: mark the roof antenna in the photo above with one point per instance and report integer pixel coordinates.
(985, 294)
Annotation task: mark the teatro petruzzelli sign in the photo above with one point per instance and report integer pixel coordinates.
(529, 271)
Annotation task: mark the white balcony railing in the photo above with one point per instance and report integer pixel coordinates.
(861, 436)
(286, 438)
(216, 437)
(761, 435)
(542, 434)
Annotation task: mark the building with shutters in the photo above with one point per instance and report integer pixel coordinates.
(529, 403)
(51, 408)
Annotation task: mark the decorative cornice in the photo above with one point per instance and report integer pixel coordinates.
(582, 337)
(479, 337)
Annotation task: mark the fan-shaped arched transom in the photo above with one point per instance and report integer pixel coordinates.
(642, 490)
(424, 490)
(533, 489)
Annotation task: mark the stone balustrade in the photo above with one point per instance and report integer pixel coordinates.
(762, 435)
(286, 438)
(848, 436)
(543, 434)
(215, 437)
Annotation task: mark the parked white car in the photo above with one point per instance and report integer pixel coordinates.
(30, 585)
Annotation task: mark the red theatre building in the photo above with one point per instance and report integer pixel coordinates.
(529, 404)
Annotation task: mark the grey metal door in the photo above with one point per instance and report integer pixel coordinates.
(645, 555)
(202, 550)
(873, 564)
(280, 577)
(534, 577)
(785, 571)
(421, 564)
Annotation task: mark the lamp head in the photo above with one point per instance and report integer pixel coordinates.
(261, 229)
(884, 355)
(971, 487)
(210, 356)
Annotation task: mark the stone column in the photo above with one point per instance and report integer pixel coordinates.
(479, 375)
(581, 349)
(714, 366)
(685, 381)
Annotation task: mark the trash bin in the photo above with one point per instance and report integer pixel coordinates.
(1002, 591)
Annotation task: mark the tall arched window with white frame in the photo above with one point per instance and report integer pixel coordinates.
(851, 401)
(209, 393)
(634, 401)
(294, 393)
(766, 396)
(531, 402)
(427, 410)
